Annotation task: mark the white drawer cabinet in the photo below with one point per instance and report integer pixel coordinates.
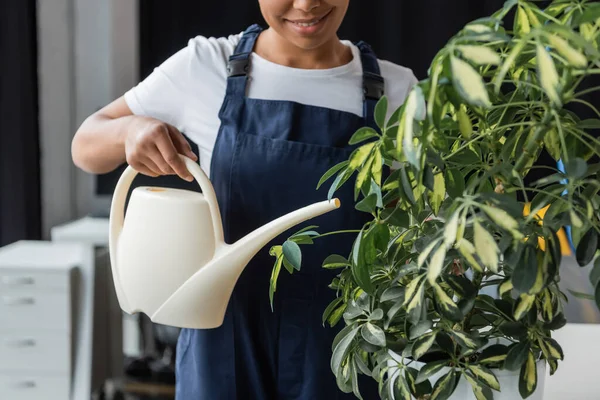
(33, 387)
(37, 286)
(39, 351)
(33, 309)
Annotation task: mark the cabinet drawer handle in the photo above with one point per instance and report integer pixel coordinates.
(17, 280)
(20, 343)
(18, 301)
(25, 385)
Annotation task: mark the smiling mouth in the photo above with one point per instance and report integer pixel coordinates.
(310, 22)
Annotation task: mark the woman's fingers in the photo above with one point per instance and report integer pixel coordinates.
(181, 144)
(171, 156)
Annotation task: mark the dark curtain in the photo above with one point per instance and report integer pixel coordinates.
(20, 209)
(404, 32)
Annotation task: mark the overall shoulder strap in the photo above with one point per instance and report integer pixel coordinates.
(239, 62)
(373, 82)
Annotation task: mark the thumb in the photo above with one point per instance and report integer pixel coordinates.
(181, 144)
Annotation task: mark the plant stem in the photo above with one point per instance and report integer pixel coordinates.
(587, 91)
(587, 104)
(335, 233)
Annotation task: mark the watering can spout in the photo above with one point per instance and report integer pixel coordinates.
(256, 240)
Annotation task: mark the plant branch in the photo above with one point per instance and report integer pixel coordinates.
(591, 106)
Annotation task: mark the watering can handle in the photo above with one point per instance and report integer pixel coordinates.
(117, 213)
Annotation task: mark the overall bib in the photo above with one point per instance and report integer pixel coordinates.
(268, 158)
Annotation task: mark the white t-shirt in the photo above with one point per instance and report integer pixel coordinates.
(188, 89)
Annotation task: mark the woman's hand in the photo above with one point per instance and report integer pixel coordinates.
(152, 148)
(114, 135)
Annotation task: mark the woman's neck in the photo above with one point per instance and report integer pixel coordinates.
(273, 47)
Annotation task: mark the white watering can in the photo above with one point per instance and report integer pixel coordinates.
(168, 255)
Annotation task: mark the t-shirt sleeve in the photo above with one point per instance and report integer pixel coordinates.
(198, 69)
(399, 81)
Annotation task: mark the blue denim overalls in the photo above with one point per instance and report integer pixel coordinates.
(267, 161)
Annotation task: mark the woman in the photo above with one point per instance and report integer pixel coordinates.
(271, 110)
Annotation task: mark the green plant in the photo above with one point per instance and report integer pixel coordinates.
(453, 270)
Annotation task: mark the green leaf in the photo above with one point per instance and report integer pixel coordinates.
(340, 351)
(332, 171)
(360, 270)
(523, 305)
(464, 123)
(485, 375)
(419, 329)
(513, 329)
(464, 340)
(428, 178)
(274, 276)
(330, 308)
(422, 345)
(467, 250)
(393, 293)
(574, 57)
(401, 389)
(486, 247)
(363, 134)
(597, 295)
(362, 176)
(558, 322)
(576, 168)
(480, 55)
(555, 350)
(339, 182)
(360, 155)
(461, 285)
(481, 392)
(589, 124)
(381, 112)
(415, 104)
(525, 272)
(288, 266)
(418, 390)
(376, 315)
(436, 198)
(587, 247)
(396, 216)
(469, 84)
(335, 261)
(503, 219)
(368, 204)
(528, 377)
(425, 253)
(415, 307)
(548, 75)
(373, 334)
(436, 265)
(444, 387)
(430, 369)
(552, 143)
(377, 167)
(451, 230)
(595, 273)
(406, 185)
(455, 183)
(447, 306)
(493, 354)
(293, 254)
(517, 355)
(522, 26)
(590, 14)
